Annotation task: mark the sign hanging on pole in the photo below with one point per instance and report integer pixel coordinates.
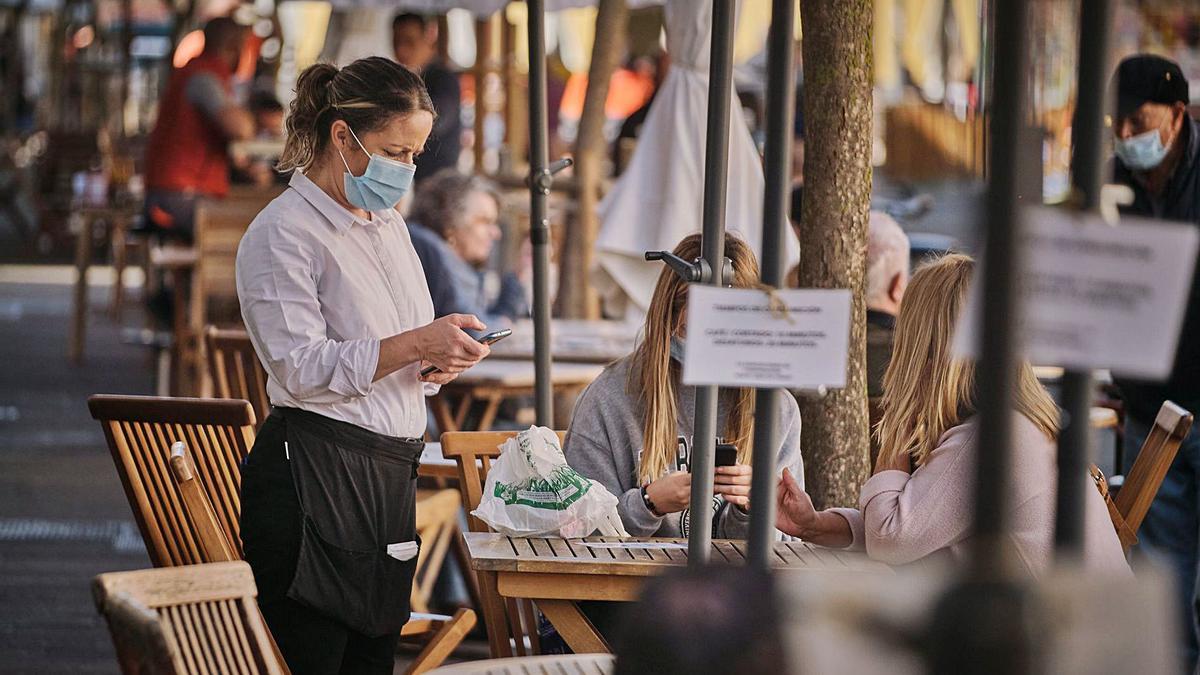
(1098, 296)
(748, 338)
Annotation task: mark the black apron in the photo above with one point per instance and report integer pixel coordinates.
(356, 492)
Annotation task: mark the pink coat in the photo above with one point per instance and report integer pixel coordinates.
(904, 518)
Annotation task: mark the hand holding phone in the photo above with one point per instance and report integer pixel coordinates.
(488, 339)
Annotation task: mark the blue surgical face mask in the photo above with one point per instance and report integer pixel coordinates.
(1142, 152)
(382, 185)
(677, 348)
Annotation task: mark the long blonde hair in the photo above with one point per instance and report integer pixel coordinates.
(926, 390)
(654, 375)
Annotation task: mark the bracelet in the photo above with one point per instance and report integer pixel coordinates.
(649, 502)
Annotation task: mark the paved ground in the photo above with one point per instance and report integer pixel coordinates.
(63, 515)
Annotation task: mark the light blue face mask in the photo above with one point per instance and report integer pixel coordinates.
(1142, 152)
(677, 348)
(382, 185)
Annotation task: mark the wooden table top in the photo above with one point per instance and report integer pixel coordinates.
(621, 556)
(572, 341)
(557, 664)
(493, 372)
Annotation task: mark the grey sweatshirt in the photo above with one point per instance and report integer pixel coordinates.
(604, 442)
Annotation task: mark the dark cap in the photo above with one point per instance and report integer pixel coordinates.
(1146, 78)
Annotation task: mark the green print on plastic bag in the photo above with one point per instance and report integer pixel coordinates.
(564, 488)
(561, 490)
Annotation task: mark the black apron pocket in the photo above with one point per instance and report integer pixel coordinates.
(368, 591)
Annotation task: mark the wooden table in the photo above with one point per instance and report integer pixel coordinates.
(557, 664)
(493, 381)
(572, 341)
(118, 218)
(558, 573)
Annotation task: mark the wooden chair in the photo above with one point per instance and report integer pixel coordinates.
(511, 624)
(140, 432)
(440, 634)
(437, 524)
(235, 369)
(193, 619)
(1138, 489)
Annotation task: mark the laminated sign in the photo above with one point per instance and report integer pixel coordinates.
(1097, 296)
(749, 338)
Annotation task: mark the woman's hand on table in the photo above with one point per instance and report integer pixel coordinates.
(671, 493)
(446, 345)
(734, 483)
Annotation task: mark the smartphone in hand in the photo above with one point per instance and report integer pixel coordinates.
(488, 339)
(725, 454)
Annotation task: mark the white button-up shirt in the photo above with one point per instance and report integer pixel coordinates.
(319, 288)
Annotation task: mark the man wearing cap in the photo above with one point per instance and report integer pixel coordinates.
(1158, 155)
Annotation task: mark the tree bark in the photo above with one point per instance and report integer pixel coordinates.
(833, 231)
(576, 297)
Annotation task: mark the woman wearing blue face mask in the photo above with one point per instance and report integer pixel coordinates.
(626, 424)
(336, 304)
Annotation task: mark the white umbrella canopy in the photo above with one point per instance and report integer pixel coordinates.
(658, 200)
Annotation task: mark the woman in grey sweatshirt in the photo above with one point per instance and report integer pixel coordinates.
(625, 425)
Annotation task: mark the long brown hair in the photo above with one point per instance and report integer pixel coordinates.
(654, 375)
(367, 94)
(926, 389)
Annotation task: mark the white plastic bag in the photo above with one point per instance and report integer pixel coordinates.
(531, 492)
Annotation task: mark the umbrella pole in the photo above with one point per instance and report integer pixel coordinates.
(539, 226)
(716, 172)
(1087, 166)
(777, 168)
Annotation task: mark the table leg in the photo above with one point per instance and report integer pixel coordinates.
(120, 241)
(579, 633)
(179, 343)
(441, 414)
(492, 406)
(464, 407)
(494, 616)
(83, 258)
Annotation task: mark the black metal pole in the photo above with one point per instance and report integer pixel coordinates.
(989, 622)
(777, 169)
(1002, 262)
(1087, 164)
(539, 226)
(716, 173)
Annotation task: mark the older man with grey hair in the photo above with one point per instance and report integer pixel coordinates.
(887, 277)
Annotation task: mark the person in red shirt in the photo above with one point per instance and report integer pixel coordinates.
(187, 154)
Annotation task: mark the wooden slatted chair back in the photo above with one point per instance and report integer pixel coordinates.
(140, 432)
(511, 624)
(198, 619)
(1141, 485)
(235, 369)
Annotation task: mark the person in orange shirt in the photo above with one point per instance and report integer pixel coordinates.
(187, 154)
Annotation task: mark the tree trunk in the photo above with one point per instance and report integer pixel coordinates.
(576, 297)
(833, 231)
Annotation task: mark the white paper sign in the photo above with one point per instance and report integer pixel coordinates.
(736, 339)
(1097, 296)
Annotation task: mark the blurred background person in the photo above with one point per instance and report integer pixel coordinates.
(414, 40)
(887, 277)
(454, 224)
(187, 156)
(259, 170)
(1157, 144)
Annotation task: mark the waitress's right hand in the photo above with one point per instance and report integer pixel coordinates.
(446, 345)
